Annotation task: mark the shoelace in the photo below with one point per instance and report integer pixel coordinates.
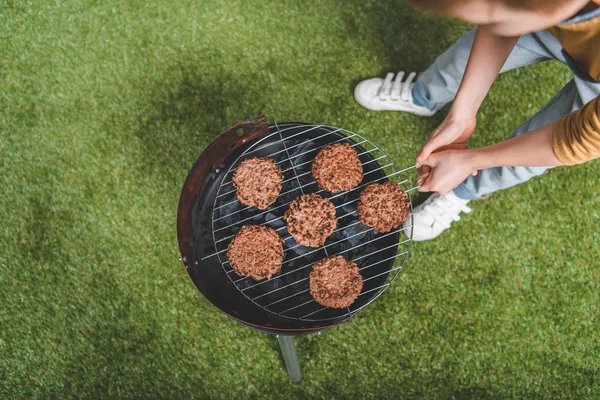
(394, 89)
(441, 206)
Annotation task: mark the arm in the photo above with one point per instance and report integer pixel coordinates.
(573, 139)
(532, 149)
(488, 54)
(449, 168)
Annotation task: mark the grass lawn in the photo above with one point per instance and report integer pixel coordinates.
(104, 106)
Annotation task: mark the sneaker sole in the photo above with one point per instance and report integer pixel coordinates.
(359, 101)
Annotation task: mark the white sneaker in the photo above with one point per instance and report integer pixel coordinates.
(389, 94)
(435, 215)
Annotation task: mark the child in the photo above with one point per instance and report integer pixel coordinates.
(509, 34)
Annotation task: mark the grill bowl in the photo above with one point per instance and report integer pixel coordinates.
(209, 216)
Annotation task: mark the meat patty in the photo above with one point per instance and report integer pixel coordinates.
(258, 182)
(335, 282)
(337, 168)
(383, 206)
(256, 251)
(310, 219)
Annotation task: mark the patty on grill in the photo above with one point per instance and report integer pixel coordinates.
(383, 206)
(258, 182)
(256, 251)
(337, 168)
(335, 282)
(310, 219)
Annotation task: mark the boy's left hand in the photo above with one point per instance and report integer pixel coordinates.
(448, 169)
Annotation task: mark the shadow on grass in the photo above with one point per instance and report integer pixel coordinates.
(44, 232)
(189, 111)
(402, 38)
(121, 347)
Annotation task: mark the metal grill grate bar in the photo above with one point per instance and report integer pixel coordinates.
(341, 228)
(383, 273)
(336, 254)
(290, 296)
(358, 154)
(327, 308)
(300, 187)
(302, 280)
(291, 158)
(277, 230)
(289, 237)
(328, 245)
(285, 181)
(233, 191)
(289, 137)
(299, 165)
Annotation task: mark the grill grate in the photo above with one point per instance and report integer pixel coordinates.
(380, 256)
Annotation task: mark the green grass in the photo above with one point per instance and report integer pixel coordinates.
(104, 106)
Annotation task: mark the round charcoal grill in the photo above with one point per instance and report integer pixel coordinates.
(210, 215)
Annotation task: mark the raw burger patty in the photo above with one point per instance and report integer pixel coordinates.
(335, 282)
(256, 251)
(310, 219)
(383, 206)
(337, 168)
(258, 182)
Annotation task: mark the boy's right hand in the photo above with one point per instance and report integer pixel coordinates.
(453, 133)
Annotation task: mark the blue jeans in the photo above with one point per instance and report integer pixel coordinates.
(439, 83)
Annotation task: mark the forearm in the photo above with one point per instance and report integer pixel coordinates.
(488, 54)
(532, 149)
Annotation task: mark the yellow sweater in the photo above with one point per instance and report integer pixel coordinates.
(576, 137)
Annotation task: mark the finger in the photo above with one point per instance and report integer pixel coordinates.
(427, 148)
(429, 163)
(424, 170)
(425, 186)
(426, 151)
(474, 173)
(423, 178)
(438, 138)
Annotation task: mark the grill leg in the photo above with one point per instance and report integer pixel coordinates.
(290, 358)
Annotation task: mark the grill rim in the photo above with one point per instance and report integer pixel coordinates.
(357, 141)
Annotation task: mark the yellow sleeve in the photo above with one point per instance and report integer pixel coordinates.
(576, 136)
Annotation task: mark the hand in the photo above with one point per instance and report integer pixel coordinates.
(447, 170)
(453, 133)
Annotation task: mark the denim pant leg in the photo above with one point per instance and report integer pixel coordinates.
(439, 83)
(493, 179)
